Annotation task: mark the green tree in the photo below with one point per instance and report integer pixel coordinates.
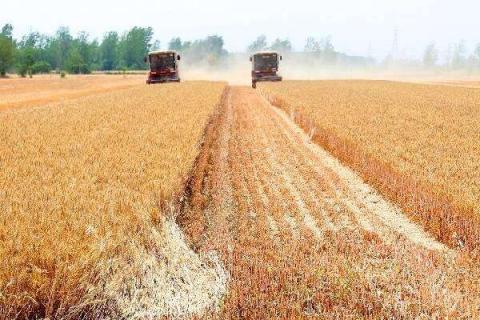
(328, 50)
(157, 45)
(282, 46)
(458, 57)
(430, 56)
(214, 45)
(7, 49)
(62, 44)
(94, 61)
(208, 50)
(476, 54)
(31, 55)
(259, 44)
(322, 49)
(7, 31)
(75, 62)
(86, 50)
(109, 51)
(134, 46)
(312, 45)
(41, 67)
(175, 44)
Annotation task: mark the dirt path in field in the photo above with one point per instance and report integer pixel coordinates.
(301, 235)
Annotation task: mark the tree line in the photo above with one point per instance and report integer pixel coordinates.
(79, 54)
(455, 57)
(39, 53)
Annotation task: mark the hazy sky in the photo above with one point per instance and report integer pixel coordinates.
(354, 25)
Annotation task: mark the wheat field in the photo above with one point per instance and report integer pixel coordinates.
(302, 236)
(42, 89)
(204, 200)
(417, 143)
(85, 186)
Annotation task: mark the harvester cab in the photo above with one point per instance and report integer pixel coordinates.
(163, 66)
(265, 67)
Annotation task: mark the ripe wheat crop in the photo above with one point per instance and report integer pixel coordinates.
(84, 188)
(303, 239)
(17, 92)
(419, 144)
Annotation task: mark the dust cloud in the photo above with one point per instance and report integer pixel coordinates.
(235, 69)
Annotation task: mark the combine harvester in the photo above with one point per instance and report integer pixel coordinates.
(265, 67)
(163, 67)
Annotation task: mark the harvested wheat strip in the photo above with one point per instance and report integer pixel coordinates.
(263, 188)
(266, 204)
(251, 168)
(366, 219)
(297, 136)
(306, 192)
(342, 220)
(310, 222)
(292, 222)
(273, 226)
(385, 212)
(286, 173)
(387, 218)
(294, 192)
(276, 204)
(327, 221)
(359, 215)
(270, 176)
(297, 196)
(397, 221)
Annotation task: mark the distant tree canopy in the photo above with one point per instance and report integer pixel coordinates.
(208, 50)
(37, 53)
(282, 46)
(108, 51)
(7, 49)
(79, 53)
(476, 54)
(175, 44)
(323, 49)
(459, 59)
(133, 47)
(260, 44)
(430, 57)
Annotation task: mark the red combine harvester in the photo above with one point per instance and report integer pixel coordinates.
(265, 67)
(163, 67)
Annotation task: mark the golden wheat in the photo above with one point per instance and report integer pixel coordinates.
(83, 187)
(417, 143)
(275, 210)
(17, 92)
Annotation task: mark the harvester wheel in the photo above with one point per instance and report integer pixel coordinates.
(254, 84)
